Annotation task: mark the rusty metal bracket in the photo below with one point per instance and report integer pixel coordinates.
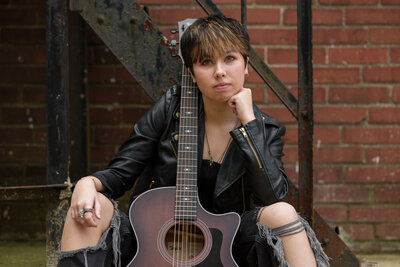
(136, 41)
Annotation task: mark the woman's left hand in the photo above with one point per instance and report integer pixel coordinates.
(242, 105)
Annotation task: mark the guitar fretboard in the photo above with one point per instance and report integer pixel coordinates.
(186, 179)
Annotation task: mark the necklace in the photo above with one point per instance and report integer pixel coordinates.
(223, 153)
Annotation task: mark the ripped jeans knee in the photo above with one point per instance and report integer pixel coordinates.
(273, 239)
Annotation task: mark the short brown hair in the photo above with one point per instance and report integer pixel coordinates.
(212, 34)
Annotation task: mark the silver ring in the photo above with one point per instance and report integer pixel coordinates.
(81, 213)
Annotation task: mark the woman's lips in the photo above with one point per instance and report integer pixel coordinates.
(222, 86)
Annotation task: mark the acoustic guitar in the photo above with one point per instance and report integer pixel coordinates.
(171, 226)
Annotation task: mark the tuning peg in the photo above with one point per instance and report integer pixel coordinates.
(174, 55)
(174, 42)
(174, 31)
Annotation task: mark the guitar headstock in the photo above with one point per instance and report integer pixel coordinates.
(182, 26)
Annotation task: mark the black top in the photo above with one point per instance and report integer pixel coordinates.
(206, 183)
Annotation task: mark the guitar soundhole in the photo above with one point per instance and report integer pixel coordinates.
(186, 243)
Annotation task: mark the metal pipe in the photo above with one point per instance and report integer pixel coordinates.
(305, 112)
(243, 9)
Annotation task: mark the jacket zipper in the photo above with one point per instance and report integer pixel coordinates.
(251, 145)
(173, 149)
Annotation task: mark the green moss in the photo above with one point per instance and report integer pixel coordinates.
(22, 254)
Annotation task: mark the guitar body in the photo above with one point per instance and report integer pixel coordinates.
(163, 241)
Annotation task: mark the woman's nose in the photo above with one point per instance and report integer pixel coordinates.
(219, 70)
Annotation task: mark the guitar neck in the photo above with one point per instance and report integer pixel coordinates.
(186, 179)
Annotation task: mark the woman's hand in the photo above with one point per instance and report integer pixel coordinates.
(242, 105)
(85, 198)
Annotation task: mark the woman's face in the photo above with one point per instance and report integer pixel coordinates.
(220, 77)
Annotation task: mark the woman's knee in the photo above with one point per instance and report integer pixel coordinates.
(278, 214)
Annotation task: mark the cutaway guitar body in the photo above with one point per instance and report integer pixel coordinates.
(164, 241)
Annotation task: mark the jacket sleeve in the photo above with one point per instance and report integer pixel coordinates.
(137, 150)
(260, 141)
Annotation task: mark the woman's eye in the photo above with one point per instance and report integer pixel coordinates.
(230, 58)
(206, 62)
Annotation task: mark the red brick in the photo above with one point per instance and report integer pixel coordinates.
(27, 115)
(358, 95)
(359, 231)
(286, 75)
(384, 115)
(101, 55)
(258, 94)
(22, 74)
(230, 1)
(277, 2)
(10, 94)
(382, 155)
(10, 171)
(273, 36)
(396, 94)
(341, 194)
(367, 174)
(36, 171)
(374, 214)
(112, 135)
(173, 15)
(338, 155)
(337, 75)
(385, 35)
(319, 17)
(123, 76)
(390, 2)
(326, 135)
(101, 74)
(132, 115)
(291, 155)
(319, 94)
(160, 2)
(16, 135)
(22, 55)
(35, 94)
(289, 55)
(22, 154)
(371, 135)
(395, 54)
(16, 16)
(366, 16)
(255, 15)
(388, 231)
(291, 136)
(19, 36)
(339, 115)
(357, 55)
(121, 95)
(104, 116)
(348, 2)
(325, 174)
(102, 153)
(333, 213)
(381, 74)
(282, 114)
(388, 193)
(340, 36)
(39, 135)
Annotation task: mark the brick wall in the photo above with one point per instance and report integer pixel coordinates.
(356, 95)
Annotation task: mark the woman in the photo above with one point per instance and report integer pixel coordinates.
(240, 168)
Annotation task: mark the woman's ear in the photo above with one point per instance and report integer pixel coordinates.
(191, 74)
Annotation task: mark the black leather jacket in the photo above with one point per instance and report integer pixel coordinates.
(251, 174)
